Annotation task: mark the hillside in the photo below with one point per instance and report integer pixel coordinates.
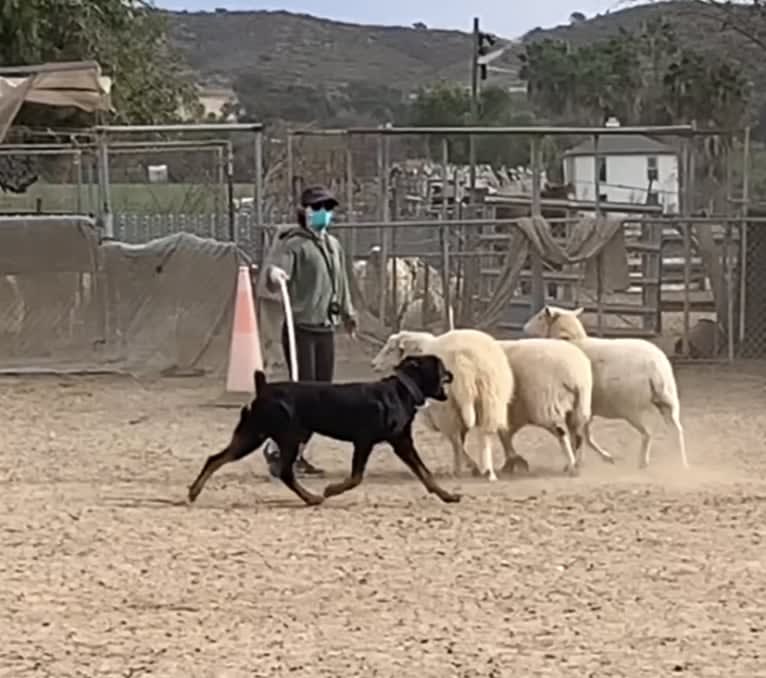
(286, 56)
(301, 67)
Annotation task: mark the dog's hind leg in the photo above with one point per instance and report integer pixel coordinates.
(288, 454)
(404, 448)
(213, 463)
(358, 464)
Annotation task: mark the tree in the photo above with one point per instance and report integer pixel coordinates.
(126, 37)
(446, 105)
(745, 18)
(642, 78)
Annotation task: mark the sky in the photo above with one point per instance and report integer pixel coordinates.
(504, 17)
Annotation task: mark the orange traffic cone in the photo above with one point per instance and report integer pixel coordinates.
(245, 353)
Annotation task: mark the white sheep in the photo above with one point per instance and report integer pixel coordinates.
(632, 378)
(478, 395)
(553, 384)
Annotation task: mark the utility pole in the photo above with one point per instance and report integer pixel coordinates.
(481, 57)
(475, 47)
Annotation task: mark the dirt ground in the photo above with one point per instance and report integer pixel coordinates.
(105, 571)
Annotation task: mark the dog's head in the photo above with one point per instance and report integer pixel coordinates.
(428, 373)
(399, 346)
(265, 417)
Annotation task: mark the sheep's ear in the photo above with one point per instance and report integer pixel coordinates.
(578, 311)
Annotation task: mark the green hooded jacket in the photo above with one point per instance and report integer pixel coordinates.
(316, 266)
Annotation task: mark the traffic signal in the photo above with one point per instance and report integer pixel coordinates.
(486, 41)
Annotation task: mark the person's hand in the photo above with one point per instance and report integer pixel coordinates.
(351, 326)
(277, 275)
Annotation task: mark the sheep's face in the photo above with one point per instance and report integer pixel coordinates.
(397, 347)
(556, 323)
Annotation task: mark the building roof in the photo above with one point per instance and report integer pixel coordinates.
(622, 144)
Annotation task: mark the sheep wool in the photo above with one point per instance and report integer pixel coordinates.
(479, 394)
(633, 379)
(553, 384)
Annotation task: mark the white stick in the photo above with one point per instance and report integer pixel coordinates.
(288, 309)
(451, 318)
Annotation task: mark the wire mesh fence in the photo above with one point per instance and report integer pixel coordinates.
(420, 249)
(753, 322)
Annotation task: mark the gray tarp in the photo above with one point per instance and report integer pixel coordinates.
(70, 304)
(590, 237)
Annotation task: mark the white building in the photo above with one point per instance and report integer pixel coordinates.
(632, 168)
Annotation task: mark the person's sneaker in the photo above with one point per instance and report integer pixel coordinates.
(306, 468)
(271, 455)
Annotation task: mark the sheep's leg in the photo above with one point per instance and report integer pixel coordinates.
(486, 456)
(646, 449)
(681, 438)
(512, 458)
(459, 454)
(600, 450)
(566, 447)
(673, 417)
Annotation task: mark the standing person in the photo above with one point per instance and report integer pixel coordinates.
(312, 262)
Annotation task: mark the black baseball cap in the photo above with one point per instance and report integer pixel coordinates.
(318, 196)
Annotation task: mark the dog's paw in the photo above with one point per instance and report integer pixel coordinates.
(452, 498)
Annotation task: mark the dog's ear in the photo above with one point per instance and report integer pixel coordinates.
(259, 379)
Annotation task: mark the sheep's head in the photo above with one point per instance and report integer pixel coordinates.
(399, 346)
(556, 323)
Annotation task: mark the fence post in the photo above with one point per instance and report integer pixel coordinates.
(394, 259)
(352, 237)
(383, 232)
(599, 256)
(106, 199)
(444, 236)
(78, 169)
(290, 174)
(743, 235)
(258, 197)
(230, 189)
(535, 262)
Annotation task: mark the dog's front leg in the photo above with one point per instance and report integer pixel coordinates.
(358, 464)
(288, 453)
(404, 448)
(213, 463)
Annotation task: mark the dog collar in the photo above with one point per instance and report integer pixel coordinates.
(412, 387)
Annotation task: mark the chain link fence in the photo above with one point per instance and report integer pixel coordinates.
(754, 325)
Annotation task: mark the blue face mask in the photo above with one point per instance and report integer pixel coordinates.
(320, 219)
